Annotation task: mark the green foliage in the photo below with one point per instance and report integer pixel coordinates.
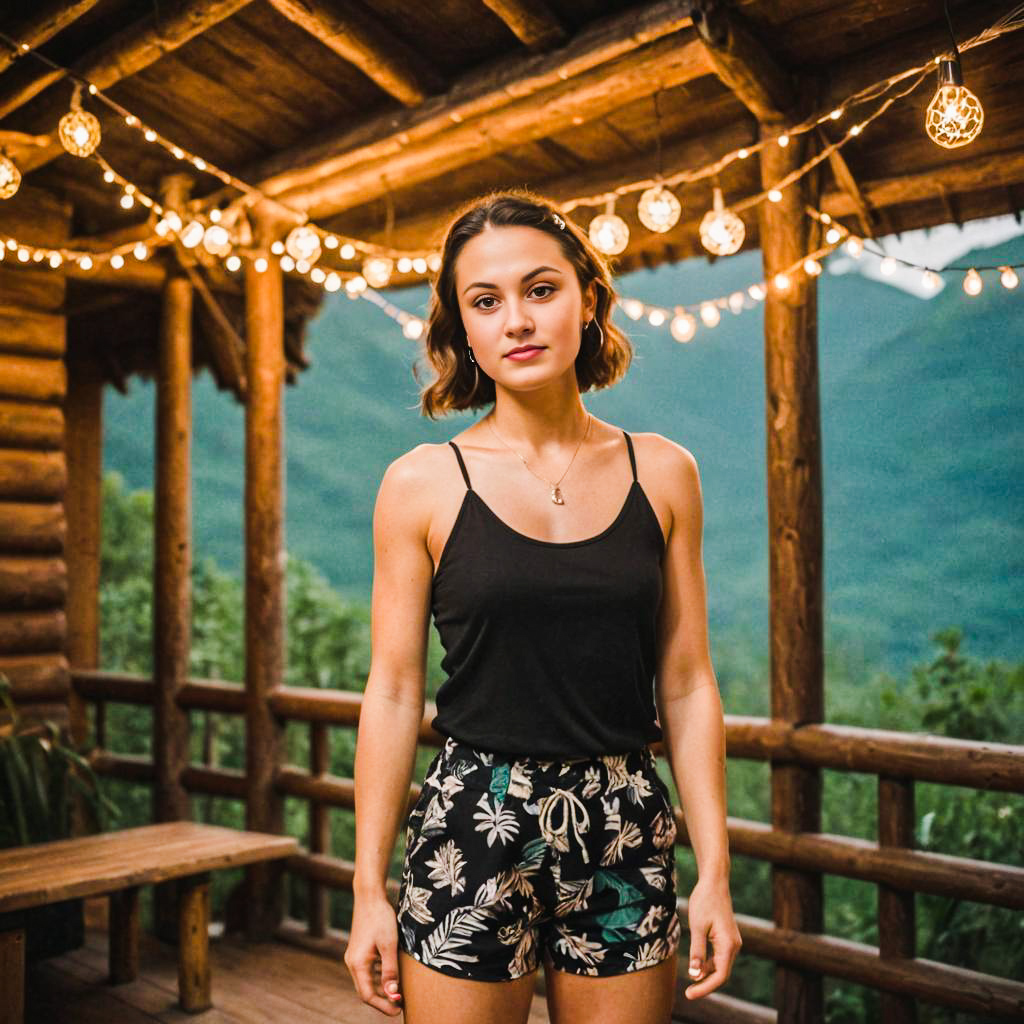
(40, 776)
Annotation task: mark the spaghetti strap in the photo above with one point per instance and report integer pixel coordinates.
(632, 457)
(462, 465)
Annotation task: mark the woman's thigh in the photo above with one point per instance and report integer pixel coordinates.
(636, 997)
(431, 997)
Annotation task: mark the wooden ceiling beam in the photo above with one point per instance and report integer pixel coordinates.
(476, 94)
(743, 63)
(136, 47)
(664, 64)
(846, 181)
(532, 21)
(998, 170)
(352, 34)
(44, 25)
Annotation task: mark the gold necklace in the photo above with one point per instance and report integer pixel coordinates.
(556, 491)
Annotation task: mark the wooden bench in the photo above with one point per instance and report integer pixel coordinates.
(117, 864)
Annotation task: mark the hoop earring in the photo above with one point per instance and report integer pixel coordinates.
(476, 369)
(600, 332)
(469, 351)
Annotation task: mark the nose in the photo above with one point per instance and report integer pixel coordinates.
(517, 319)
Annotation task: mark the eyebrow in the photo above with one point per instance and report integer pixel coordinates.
(526, 277)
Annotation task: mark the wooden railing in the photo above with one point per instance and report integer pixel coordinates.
(898, 760)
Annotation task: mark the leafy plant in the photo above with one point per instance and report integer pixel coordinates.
(39, 779)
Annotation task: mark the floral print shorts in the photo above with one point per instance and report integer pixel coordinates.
(507, 861)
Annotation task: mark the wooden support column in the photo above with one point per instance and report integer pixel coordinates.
(83, 502)
(319, 828)
(172, 564)
(264, 571)
(12, 976)
(124, 935)
(194, 990)
(794, 481)
(897, 932)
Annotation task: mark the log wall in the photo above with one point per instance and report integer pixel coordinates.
(33, 464)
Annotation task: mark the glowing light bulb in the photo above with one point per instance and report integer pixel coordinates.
(888, 266)
(330, 242)
(79, 132)
(709, 314)
(743, 153)
(812, 268)
(108, 176)
(162, 228)
(658, 209)
(192, 235)
(150, 135)
(633, 308)
(260, 264)
(781, 282)
(930, 281)
(972, 282)
(412, 328)
(215, 215)
(721, 231)
(199, 163)
(85, 263)
(347, 251)
(854, 246)
(683, 327)
(24, 255)
(955, 115)
(117, 261)
(656, 317)
(836, 114)
(287, 263)
(774, 195)
(404, 265)
(609, 232)
(178, 152)
(303, 243)
(217, 240)
(10, 176)
(141, 251)
(783, 141)
(833, 235)
(302, 266)
(434, 262)
(127, 201)
(277, 248)
(1008, 277)
(233, 263)
(173, 221)
(318, 275)
(355, 285)
(757, 292)
(333, 282)
(55, 259)
(737, 302)
(377, 271)
(419, 265)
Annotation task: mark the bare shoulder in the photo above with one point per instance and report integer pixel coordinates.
(666, 460)
(410, 483)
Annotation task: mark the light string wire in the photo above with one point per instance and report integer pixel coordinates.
(1011, 21)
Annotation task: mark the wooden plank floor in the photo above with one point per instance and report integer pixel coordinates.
(253, 983)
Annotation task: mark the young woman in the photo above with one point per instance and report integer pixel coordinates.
(561, 559)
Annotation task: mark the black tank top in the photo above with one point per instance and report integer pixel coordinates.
(549, 646)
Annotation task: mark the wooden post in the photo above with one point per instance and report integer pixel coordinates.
(319, 828)
(124, 935)
(172, 564)
(83, 502)
(897, 933)
(194, 943)
(12, 976)
(793, 439)
(264, 571)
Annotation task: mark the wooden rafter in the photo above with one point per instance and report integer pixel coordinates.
(474, 95)
(532, 21)
(44, 25)
(138, 46)
(665, 63)
(352, 34)
(988, 171)
(743, 62)
(846, 181)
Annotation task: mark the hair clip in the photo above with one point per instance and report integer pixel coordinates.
(558, 220)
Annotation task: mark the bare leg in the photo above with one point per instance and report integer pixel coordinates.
(430, 997)
(639, 997)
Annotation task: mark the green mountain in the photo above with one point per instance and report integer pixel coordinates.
(922, 407)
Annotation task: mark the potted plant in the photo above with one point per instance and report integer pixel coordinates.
(40, 779)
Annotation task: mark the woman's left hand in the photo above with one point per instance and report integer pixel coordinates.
(711, 917)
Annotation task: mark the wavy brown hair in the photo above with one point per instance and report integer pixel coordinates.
(456, 384)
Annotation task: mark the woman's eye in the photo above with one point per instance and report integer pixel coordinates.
(546, 288)
(479, 304)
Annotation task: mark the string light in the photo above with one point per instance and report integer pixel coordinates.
(930, 281)
(1008, 277)
(233, 263)
(78, 130)
(656, 317)
(303, 243)
(141, 251)
(854, 246)
(217, 240)
(658, 209)
(608, 231)
(812, 268)
(192, 235)
(260, 264)
(710, 315)
(377, 271)
(683, 327)
(972, 282)
(887, 266)
(10, 176)
(721, 231)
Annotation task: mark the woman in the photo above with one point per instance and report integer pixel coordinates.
(543, 833)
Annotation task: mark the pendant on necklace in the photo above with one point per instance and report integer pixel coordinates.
(556, 495)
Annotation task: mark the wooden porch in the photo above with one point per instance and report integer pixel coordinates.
(254, 983)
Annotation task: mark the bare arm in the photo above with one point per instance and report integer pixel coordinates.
(690, 712)
(389, 723)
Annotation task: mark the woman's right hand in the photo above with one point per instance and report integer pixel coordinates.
(372, 954)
